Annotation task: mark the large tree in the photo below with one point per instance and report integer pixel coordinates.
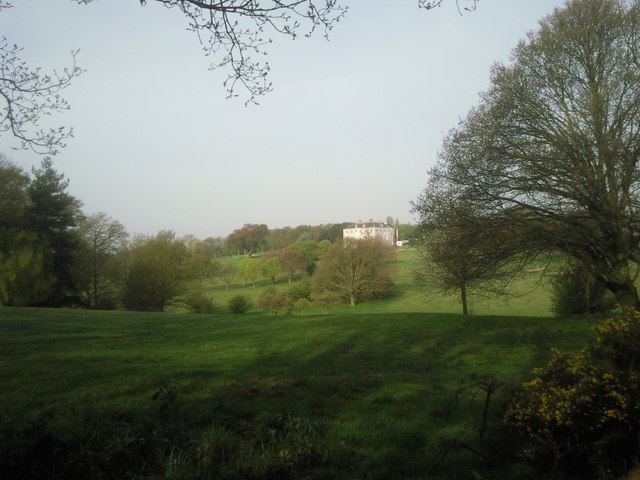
(37, 240)
(51, 215)
(101, 237)
(156, 272)
(552, 151)
(453, 260)
(292, 261)
(355, 270)
(247, 239)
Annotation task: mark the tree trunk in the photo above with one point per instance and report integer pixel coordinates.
(463, 299)
(627, 297)
(352, 299)
(623, 288)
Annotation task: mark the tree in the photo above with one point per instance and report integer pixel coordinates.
(301, 305)
(292, 261)
(156, 272)
(14, 183)
(552, 151)
(28, 94)
(210, 247)
(298, 290)
(406, 232)
(271, 268)
(52, 215)
(239, 304)
(251, 270)
(230, 31)
(575, 290)
(101, 237)
(201, 267)
(325, 299)
(233, 31)
(227, 274)
(452, 261)
(272, 300)
(355, 270)
(247, 239)
(462, 5)
(462, 255)
(24, 279)
(37, 240)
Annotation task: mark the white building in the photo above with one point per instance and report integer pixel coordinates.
(362, 230)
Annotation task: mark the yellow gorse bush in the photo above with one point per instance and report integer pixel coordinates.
(587, 404)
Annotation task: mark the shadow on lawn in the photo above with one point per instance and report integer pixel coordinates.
(376, 403)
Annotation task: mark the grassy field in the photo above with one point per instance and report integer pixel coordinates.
(337, 396)
(532, 297)
(372, 392)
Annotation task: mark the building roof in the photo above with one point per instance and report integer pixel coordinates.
(370, 224)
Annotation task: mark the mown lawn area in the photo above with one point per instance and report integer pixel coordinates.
(530, 293)
(346, 395)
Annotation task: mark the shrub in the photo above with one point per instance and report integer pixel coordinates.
(302, 304)
(301, 289)
(325, 300)
(583, 410)
(576, 291)
(239, 304)
(273, 300)
(198, 302)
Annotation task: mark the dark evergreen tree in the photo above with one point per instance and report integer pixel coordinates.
(51, 216)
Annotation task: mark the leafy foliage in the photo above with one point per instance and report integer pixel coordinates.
(550, 154)
(468, 259)
(355, 270)
(198, 302)
(156, 273)
(101, 238)
(248, 239)
(273, 300)
(584, 409)
(271, 268)
(38, 240)
(575, 290)
(239, 304)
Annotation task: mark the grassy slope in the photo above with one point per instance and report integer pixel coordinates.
(379, 380)
(533, 298)
(382, 386)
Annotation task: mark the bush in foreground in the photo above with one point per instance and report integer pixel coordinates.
(582, 412)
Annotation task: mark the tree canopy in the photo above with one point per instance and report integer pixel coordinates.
(37, 237)
(551, 153)
(248, 238)
(355, 270)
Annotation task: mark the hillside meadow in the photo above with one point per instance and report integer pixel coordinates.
(530, 293)
(362, 393)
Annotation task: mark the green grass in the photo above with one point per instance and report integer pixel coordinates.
(368, 395)
(532, 296)
(368, 392)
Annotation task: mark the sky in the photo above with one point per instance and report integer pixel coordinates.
(349, 132)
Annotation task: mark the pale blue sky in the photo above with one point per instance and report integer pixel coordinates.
(348, 133)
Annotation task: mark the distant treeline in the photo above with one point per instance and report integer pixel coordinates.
(53, 254)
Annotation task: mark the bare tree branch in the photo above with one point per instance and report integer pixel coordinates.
(236, 32)
(28, 94)
(431, 4)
